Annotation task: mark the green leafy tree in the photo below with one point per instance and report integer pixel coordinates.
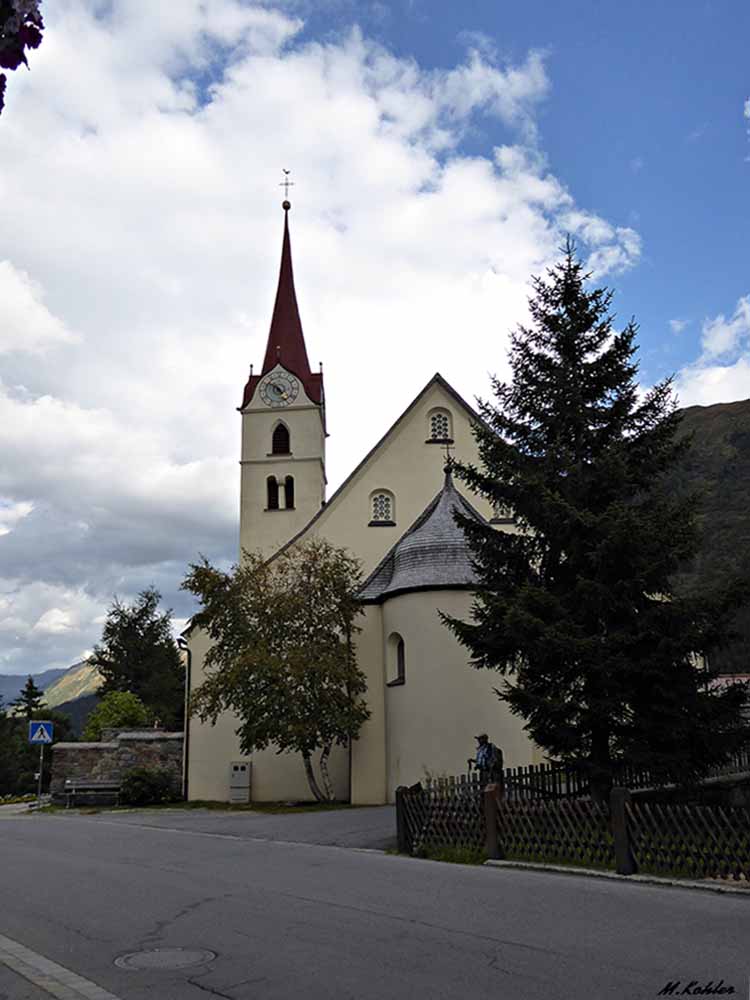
(138, 654)
(7, 759)
(282, 656)
(21, 27)
(578, 611)
(30, 701)
(118, 708)
(19, 760)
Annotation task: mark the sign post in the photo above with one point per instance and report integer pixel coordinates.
(41, 733)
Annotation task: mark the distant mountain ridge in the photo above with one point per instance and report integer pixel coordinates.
(60, 685)
(11, 684)
(78, 681)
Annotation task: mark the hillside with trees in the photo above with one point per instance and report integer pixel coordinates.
(718, 465)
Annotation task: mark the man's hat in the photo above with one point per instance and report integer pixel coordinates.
(482, 736)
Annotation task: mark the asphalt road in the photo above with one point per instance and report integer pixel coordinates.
(289, 919)
(361, 827)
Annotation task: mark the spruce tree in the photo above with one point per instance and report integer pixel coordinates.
(138, 653)
(30, 700)
(600, 656)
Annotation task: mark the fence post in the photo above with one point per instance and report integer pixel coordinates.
(492, 845)
(403, 841)
(624, 860)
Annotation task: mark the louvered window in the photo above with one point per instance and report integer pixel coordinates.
(440, 426)
(382, 507)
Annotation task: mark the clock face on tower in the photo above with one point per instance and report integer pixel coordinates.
(279, 389)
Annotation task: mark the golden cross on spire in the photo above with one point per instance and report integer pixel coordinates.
(286, 183)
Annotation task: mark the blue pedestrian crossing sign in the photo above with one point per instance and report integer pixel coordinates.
(40, 732)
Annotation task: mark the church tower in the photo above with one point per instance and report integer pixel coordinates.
(283, 428)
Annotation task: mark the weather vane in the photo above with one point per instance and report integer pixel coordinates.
(286, 184)
(448, 457)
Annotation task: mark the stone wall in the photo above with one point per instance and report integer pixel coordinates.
(118, 751)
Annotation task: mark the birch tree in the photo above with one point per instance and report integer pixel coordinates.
(282, 656)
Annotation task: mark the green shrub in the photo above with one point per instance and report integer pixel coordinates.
(118, 708)
(144, 786)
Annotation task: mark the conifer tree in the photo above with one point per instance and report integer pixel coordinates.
(600, 656)
(138, 653)
(30, 701)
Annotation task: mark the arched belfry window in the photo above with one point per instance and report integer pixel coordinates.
(272, 493)
(289, 492)
(382, 508)
(439, 426)
(280, 442)
(396, 660)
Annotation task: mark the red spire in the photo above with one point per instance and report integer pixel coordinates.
(286, 341)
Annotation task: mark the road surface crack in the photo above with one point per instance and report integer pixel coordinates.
(161, 926)
(210, 989)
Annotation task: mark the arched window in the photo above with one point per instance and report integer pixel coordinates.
(396, 660)
(272, 493)
(382, 508)
(439, 426)
(280, 443)
(289, 493)
(401, 660)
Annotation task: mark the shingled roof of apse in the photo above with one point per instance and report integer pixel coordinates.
(432, 555)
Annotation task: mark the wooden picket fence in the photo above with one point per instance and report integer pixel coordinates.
(545, 781)
(629, 836)
(565, 781)
(694, 841)
(446, 812)
(560, 832)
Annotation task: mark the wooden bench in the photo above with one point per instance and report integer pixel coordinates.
(95, 789)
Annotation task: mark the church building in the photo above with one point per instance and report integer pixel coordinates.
(395, 513)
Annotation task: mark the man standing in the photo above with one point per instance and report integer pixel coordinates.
(488, 760)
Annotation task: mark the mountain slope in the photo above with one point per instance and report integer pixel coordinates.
(78, 711)
(11, 684)
(78, 681)
(718, 465)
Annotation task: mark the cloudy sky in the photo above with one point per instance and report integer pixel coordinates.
(440, 152)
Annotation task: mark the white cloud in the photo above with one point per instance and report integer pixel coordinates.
(721, 336)
(11, 513)
(54, 621)
(677, 325)
(722, 373)
(25, 322)
(140, 231)
(619, 255)
(703, 385)
(614, 248)
(41, 624)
